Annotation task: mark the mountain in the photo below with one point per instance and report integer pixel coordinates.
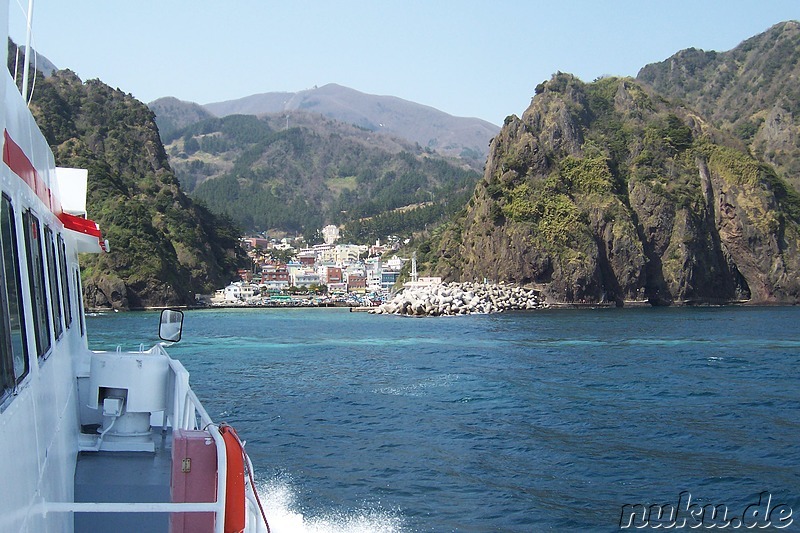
(467, 138)
(751, 91)
(164, 247)
(173, 114)
(40, 62)
(610, 192)
(317, 171)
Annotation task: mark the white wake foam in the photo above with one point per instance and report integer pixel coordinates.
(278, 499)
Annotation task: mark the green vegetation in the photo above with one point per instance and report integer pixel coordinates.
(738, 169)
(519, 206)
(735, 167)
(589, 175)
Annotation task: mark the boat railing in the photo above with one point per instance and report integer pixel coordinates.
(188, 413)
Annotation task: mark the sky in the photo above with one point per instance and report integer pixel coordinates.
(467, 58)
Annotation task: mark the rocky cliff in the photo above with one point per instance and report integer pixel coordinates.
(606, 192)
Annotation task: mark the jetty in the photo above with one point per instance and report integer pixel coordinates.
(448, 299)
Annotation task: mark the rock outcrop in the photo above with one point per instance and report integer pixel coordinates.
(607, 192)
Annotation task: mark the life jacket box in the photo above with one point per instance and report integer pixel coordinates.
(194, 479)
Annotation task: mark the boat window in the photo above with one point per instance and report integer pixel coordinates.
(41, 326)
(52, 273)
(65, 292)
(6, 364)
(13, 353)
(6, 360)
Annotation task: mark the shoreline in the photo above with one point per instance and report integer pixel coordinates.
(550, 305)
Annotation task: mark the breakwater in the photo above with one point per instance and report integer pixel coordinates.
(448, 299)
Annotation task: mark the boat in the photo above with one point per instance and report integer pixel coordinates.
(93, 441)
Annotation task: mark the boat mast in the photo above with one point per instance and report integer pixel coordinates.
(26, 66)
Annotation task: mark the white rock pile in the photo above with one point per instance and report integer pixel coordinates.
(448, 299)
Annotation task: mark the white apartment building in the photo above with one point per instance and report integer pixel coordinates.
(238, 291)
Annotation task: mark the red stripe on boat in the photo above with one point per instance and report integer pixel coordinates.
(18, 162)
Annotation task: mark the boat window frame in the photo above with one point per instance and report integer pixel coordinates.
(15, 363)
(56, 308)
(66, 300)
(19, 348)
(79, 300)
(38, 293)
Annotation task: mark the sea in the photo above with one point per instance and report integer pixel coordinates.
(547, 420)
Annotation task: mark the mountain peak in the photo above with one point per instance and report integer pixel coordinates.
(431, 128)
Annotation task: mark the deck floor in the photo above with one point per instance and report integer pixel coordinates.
(124, 477)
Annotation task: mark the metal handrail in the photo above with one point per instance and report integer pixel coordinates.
(187, 412)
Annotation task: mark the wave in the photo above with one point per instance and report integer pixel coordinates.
(279, 500)
(420, 388)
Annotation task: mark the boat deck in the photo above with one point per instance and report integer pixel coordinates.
(124, 477)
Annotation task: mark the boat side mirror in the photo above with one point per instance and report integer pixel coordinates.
(171, 325)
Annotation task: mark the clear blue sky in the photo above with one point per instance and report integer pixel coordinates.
(468, 58)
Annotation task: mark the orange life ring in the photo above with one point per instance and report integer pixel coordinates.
(234, 481)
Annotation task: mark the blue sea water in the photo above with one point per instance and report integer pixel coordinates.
(517, 422)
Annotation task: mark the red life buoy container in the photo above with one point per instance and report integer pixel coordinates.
(234, 481)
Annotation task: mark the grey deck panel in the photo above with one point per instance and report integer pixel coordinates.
(124, 477)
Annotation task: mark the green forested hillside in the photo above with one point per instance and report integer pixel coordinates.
(316, 171)
(164, 247)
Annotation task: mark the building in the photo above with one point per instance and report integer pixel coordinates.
(307, 258)
(305, 278)
(240, 292)
(423, 282)
(283, 245)
(396, 263)
(388, 279)
(377, 248)
(245, 275)
(255, 242)
(275, 277)
(277, 272)
(330, 274)
(357, 282)
(373, 274)
(347, 253)
(324, 252)
(337, 288)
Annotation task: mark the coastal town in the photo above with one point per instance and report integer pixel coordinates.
(288, 273)
(357, 276)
